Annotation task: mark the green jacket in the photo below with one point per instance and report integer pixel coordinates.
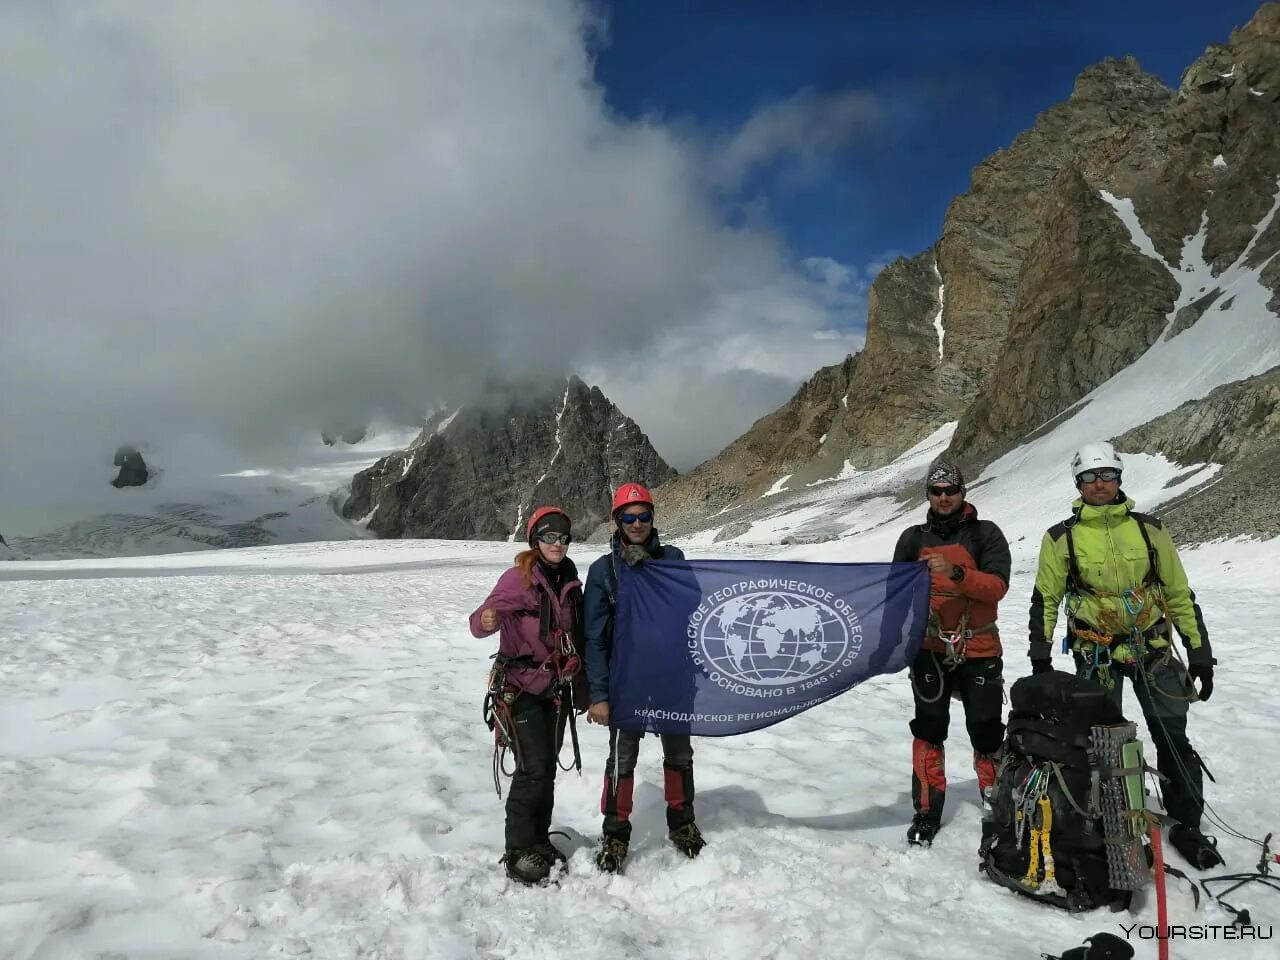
(1112, 556)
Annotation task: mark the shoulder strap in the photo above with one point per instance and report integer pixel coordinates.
(611, 579)
(1073, 565)
(915, 539)
(544, 616)
(1153, 569)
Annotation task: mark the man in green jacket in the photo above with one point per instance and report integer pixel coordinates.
(1124, 590)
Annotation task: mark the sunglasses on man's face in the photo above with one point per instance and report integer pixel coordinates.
(551, 539)
(1106, 476)
(630, 518)
(944, 491)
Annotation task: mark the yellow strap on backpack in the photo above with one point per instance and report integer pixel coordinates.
(1032, 879)
(1042, 852)
(1050, 882)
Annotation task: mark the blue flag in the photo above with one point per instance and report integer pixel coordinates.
(714, 648)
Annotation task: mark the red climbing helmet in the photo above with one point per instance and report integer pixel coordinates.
(541, 514)
(630, 493)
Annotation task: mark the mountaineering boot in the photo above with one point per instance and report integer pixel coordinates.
(529, 866)
(552, 853)
(612, 853)
(923, 828)
(688, 839)
(1197, 849)
(928, 790)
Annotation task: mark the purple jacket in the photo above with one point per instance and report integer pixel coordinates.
(519, 626)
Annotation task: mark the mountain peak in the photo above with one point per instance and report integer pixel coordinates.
(1118, 79)
(478, 471)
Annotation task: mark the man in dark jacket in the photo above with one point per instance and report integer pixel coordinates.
(634, 541)
(969, 567)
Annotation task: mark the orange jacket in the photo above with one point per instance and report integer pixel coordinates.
(981, 552)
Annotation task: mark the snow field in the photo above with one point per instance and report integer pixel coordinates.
(260, 762)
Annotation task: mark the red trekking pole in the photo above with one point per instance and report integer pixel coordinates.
(1162, 908)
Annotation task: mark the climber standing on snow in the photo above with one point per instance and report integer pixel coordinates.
(1124, 588)
(537, 605)
(969, 566)
(633, 542)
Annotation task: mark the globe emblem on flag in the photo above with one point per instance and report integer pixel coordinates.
(772, 638)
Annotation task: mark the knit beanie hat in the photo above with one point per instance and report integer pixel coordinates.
(944, 473)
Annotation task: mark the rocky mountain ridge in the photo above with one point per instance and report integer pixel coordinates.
(1074, 250)
(479, 471)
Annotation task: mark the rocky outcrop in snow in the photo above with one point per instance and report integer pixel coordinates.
(1238, 427)
(133, 469)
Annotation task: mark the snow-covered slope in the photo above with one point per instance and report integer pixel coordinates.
(278, 752)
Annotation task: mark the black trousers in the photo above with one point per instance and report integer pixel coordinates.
(619, 781)
(532, 794)
(980, 682)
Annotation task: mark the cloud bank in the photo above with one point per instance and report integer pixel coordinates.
(246, 219)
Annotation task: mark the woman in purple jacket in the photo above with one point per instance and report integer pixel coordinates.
(537, 606)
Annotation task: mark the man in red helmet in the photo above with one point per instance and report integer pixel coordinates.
(634, 541)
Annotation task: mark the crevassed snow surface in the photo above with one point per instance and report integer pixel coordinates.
(278, 753)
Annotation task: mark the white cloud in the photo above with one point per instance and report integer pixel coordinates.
(703, 387)
(247, 219)
(806, 129)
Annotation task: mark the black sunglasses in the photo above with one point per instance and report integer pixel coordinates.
(630, 518)
(1106, 476)
(550, 538)
(944, 491)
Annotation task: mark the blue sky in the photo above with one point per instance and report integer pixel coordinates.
(954, 82)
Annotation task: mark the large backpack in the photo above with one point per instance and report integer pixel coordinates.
(1059, 800)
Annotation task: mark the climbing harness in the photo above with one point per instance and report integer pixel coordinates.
(563, 663)
(1128, 640)
(956, 642)
(498, 700)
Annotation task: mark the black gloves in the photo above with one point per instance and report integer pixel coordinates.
(1041, 666)
(634, 554)
(1204, 673)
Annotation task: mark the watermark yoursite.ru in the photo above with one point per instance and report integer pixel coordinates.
(1196, 931)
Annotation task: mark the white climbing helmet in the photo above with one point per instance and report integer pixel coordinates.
(1095, 456)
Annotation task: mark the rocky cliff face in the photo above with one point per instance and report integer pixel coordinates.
(1237, 427)
(478, 472)
(1088, 304)
(1087, 301)
(805, 434)
(1036, 292)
